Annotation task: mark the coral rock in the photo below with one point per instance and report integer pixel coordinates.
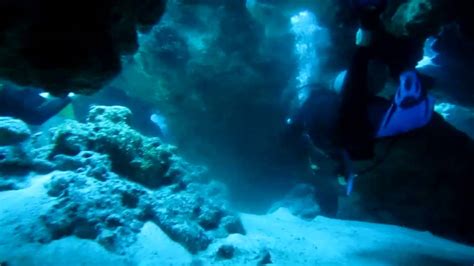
(93, 202)
(142, 159)
(13, 131)
(93, 209)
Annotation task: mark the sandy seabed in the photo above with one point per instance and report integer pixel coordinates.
(288, 240)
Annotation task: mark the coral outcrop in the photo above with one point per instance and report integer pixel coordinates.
(20, 153)
(93, 203)
(15, 159)
(91, 199)
(144, 160)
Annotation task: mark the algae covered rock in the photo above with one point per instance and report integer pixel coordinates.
(110, 114)
(93, 201)
(110, 211)
(13, 131)
(15, 159)
(91, 163)
(195, 215)
(142, 159)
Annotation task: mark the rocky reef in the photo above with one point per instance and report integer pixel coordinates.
(145, 160)
(70, 46)
(109, 180)
(15, 160)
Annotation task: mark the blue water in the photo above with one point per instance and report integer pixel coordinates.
(218, 144)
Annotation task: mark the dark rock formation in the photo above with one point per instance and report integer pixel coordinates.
(264, 257)
(425, 182)
(15, 158)
(65, 46)
(423, 18)
(460, 117)
(453, 72)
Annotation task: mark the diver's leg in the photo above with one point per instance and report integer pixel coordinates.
(355, 130)
(48, 109)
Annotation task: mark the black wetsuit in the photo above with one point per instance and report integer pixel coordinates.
(356, 122)
(29, 106)
(355, 130)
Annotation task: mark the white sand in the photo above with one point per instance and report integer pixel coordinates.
(289, 240)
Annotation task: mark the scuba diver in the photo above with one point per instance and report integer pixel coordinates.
(353, 118)
(33, 106)
(359, 107)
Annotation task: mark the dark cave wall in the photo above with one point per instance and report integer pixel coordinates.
(66, 46)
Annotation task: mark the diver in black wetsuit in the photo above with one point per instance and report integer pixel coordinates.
(345, 126)
(28, 105)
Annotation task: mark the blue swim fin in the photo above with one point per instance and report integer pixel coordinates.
(411, 108)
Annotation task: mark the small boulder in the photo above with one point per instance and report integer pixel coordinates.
(14, 160)
(13, 131)
(233, 225)
(264, 258)
(226, 252)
